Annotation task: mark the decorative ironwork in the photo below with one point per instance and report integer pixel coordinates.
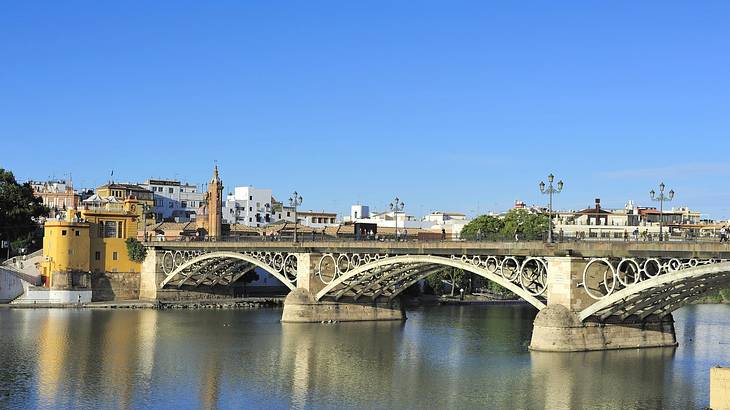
(377, 274)
(604, 276)
(224, 268)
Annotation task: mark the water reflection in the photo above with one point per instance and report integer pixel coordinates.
(455, 357)
(634, 378)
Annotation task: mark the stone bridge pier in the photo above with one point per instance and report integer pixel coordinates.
(559, 328)
(302, 306)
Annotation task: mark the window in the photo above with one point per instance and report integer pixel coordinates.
(63, 232)
(78, 233)
(115, 256)
(100, 231)
(250, 209)
(97, 255)
(250, 197)
(250, 219)
(170, 190)
(70, 252)
(110, 229)
(170, 205)
(120, 229)
(258, 205)
(288, 213)
(184, 204)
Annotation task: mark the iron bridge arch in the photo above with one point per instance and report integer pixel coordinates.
(374, 276)
(674, 283)
(225, 268)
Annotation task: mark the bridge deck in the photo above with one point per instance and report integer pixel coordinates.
(592, 249)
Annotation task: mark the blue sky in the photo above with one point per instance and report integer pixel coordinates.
(449, 105)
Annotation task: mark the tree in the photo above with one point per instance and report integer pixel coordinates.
(135, 250)
(527, 225)
(247, 278)
(19, 209)
(447, 279)
(485, 226)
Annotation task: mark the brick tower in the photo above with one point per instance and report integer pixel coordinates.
(215, 205)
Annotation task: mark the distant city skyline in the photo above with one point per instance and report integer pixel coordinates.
(459, 108)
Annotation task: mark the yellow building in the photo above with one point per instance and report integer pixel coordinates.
(123, 191)
(89, 240)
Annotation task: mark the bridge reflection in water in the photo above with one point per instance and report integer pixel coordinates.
(440, 357)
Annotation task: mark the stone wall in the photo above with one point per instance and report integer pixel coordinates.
(300, 307)
(10, 286)
(108, 286)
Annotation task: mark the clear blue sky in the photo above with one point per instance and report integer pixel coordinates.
(450, 105)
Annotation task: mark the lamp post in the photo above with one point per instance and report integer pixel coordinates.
(145, 210)
(549, 191)
(396, 206)
(661, 198)
(295, 201)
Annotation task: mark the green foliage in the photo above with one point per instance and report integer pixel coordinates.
(250, 276)
(448, 280)
(135, 250)
(19, 209)
(526, 225)
(483, 227)
(725, 293)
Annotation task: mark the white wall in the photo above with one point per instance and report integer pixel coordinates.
(245, 203)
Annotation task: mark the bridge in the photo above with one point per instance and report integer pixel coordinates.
(590, 295)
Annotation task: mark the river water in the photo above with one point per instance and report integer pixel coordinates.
(441, 357)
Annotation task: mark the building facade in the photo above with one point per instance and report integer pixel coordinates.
(174, 201)
(249, 206)
(89, 240)
(57, 195)
(123, 191)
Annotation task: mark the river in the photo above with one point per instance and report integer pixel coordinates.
(441, 357)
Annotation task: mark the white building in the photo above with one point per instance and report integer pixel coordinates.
(443, 218)
(312, 219)
(317, 219)
(361, 214)
(248, 206)
(359, 211)
(173, 200)
(451, 223)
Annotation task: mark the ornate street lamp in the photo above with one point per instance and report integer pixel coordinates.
(661, 198)
(549, 191)
(295, 201)
(396, 206)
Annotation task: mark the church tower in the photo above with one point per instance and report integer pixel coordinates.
(215, 205)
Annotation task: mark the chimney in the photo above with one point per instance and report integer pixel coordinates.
(598, 203)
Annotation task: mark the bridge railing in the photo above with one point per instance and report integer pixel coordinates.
(318, 237)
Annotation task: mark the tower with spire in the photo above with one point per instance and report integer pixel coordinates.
(215, 205)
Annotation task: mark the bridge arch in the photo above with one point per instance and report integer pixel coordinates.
(662, 294)
(409, 269)
(221, 256)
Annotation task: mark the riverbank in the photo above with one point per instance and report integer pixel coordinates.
(433, 300)
(238, 303)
